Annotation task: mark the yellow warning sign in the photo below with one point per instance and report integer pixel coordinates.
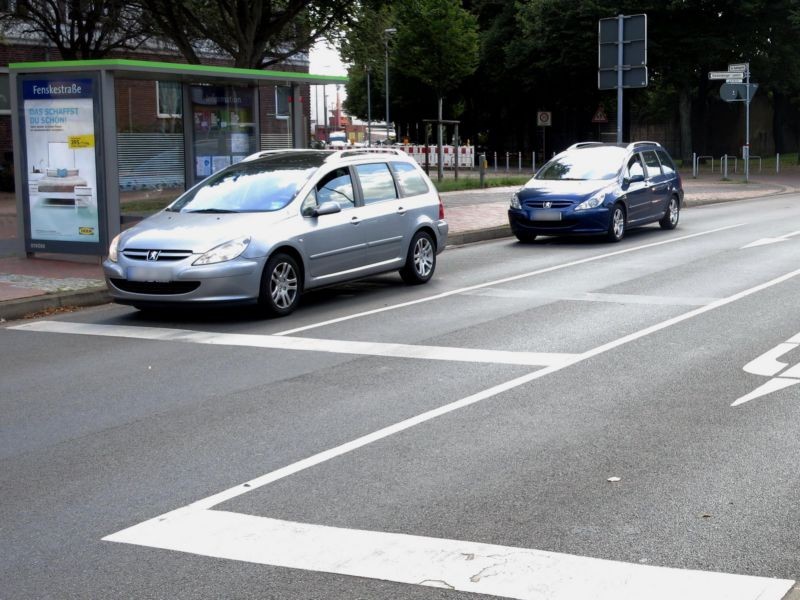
(76, 142)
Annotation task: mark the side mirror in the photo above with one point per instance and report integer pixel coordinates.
(635, 178)
(327, 208)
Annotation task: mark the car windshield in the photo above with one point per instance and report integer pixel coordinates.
(253, 186)
(584, 164)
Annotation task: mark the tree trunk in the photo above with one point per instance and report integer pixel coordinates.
(685, 115)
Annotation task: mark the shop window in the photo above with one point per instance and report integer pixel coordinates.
(170, 99)
(283, 96)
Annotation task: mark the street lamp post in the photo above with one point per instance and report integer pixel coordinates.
(369, 111)
(386, 34)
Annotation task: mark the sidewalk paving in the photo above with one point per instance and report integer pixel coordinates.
(32, 286)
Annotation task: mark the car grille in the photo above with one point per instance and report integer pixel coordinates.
(540, 203)
(163, 255)
(155, 287)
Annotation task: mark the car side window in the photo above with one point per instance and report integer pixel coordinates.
(408, 178)
(337, 186)
(635, 167)
(377, 183)
(653, 166)
(309, 204)
(666, 163)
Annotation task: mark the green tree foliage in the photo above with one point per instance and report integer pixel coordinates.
(542, 55)
(437, 43)
(433, 50)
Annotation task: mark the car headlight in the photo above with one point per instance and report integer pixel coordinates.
(223, 252)
(515, 201)
(592, 202)
(113, 252)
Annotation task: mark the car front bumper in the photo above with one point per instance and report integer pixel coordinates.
(591, 221)
(144, 282)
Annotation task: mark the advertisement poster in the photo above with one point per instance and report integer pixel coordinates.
(61, 168)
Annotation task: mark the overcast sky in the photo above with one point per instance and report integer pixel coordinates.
(325, 61)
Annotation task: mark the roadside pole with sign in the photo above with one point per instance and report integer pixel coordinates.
(622, 57)
(737, 88)
(544, 118)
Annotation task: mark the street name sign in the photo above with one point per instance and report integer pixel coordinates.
(724, 75)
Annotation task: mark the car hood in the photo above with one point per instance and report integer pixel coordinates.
(563, 189)
(198, 232)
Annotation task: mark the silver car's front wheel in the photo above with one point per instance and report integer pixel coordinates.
(421, 259)
(280, 285)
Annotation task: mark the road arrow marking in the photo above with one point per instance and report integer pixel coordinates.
(768, 365)
(767, 241)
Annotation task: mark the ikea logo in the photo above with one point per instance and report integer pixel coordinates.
(86, 230)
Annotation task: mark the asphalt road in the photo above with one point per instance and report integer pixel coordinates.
(547, 421)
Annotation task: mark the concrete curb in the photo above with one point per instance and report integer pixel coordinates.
(478, 235)
(17, 309)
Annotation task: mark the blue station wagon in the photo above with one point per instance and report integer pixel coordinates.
(599, 189)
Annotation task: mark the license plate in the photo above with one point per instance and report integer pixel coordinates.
(147, 274)
(546, 215)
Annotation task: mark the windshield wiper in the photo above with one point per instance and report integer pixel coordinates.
(212, 210)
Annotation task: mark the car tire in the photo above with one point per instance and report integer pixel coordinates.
(673, 214)
(420, 260)
(616, 228)
(524, 237)
(280, 285)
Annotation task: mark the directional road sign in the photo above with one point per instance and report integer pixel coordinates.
(737, 92)
(739, 67)
(633, 77)
(632, 47)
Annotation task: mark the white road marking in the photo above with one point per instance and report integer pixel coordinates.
(773, 385)
(573, 263)
(768, 365)
(541, 576)
(505, 571)
(592, 297)
(775, 240)
(472, 355)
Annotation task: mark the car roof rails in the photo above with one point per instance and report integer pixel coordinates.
(585, 145)
(633, 145)
(362, 151)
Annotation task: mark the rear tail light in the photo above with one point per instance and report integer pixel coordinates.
(441, 209)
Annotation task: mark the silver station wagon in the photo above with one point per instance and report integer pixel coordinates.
(279, 223)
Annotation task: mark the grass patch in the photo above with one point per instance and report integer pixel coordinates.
(474, 183)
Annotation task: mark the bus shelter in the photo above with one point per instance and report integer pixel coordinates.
(88, 135)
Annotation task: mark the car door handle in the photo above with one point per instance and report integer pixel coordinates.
(401, 210)
(355, 221)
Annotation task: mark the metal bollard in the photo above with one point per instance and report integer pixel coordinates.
(506, 162)
(777, 162)
(694, 165)
(725, 167)
(519, 156)
(482, 166)
(533, 160)
(495, 162)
